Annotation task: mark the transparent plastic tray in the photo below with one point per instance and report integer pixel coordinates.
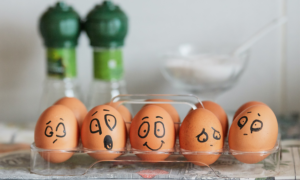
(129, 166)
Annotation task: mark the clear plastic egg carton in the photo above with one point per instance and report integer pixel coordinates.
(176, 166)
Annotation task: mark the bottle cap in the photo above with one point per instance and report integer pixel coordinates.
(106, 26)
(60, 26)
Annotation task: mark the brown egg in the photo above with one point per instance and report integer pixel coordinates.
(170, 109)
(253, 130)
(57, 128)
(76, 106)
(201, 130)
(104, 130)
(219, 112)
(245, 106)
(123, 111)
(152, 131)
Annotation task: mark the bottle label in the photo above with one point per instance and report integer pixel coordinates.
(108, 64)
(61, 62)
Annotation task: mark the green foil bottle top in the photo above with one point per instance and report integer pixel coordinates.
(60, 26)
(106, 26)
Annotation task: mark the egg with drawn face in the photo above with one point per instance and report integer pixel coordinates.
(201, 131)
(253, 130)
(57, 128)
(152, 133)
(104, 131)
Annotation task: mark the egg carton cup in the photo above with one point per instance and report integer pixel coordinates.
(176, 166)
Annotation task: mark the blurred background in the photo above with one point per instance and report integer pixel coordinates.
(272, 73)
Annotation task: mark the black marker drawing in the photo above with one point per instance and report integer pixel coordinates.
(144, 129)
(202, 134)
(145, 117)
(64, 130)
(242, 121)
(159, 117)
(94, 113)
(48, 122)
(258, 114)
(256, 125)
(110, 121)
(216, 135)
(159, 129)
(105, 110)
(54, 141)
(162, 142)
(61, 119)
(95, 124)
(249, 112)
(108, 143)
(49, 134)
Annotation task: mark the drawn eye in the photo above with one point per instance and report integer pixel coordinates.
(202, 137)
(110, 121)
(242, 121)
(159, 129)
(60, 130)
(144, 129)
(216, 135)
(95, 126)
(256, 125)
(49, 131)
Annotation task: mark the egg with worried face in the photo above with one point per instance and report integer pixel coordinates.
(104, 131)
(152, 133)
(253, 130)
(57, 128)
(201, 131)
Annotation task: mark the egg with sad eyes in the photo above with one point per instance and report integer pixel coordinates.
(57, 128)
(201, 137)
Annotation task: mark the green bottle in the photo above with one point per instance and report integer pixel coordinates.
(106, 26)
(60, 28)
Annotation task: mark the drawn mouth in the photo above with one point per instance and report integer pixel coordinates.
(162, 142)
(245, 134)
(54, 141)
(108, 143)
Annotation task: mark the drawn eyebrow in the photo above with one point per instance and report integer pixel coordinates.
(48, 122)
(94, 113)
(105, 110)
(145, 117)
(159, 117)
(61, 119)
(258, 114)
(249, 112)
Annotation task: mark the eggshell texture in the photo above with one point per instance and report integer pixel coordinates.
(170, 109)
(76, 106)
(57, 128)
(247, 105)
(255, 129)
(123, 111)
(152, 130)
(201, 130)
(219, 112)
(104, 129)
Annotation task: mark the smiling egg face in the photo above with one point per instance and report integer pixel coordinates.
(57, 128)
(201, 130)
(152, 130)
(104, 129)
(253, 130)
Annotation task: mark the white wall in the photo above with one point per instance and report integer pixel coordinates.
(155, 25)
